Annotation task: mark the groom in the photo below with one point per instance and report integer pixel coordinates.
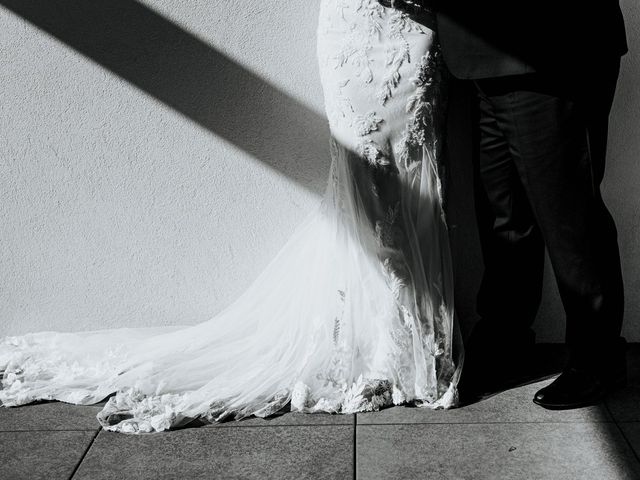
(545, 76)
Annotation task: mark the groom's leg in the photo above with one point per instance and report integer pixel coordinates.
(499, 352)
(512, 246)
(596, 109)
(558, 141)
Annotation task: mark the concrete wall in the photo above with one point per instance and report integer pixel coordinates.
(154, 157)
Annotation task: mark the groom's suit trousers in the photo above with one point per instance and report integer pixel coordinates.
(541, 162)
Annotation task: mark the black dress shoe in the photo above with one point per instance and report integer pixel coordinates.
(572, 389)
(585, 382)
(576, 388)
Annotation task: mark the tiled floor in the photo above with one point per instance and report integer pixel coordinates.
(503, 437)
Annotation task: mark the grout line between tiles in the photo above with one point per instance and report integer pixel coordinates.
(355, 446)
(209, 427)
(84, 454)
(633, 450)
(523, 422)
(48, 430)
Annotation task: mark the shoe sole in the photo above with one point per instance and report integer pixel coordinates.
(570, 406)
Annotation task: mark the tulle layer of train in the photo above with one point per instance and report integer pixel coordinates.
(320, 330)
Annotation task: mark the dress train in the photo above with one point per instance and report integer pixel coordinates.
(356, 311)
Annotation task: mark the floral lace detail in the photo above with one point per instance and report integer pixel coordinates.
(338, 321)
(373, 12)
(397, 55)
(363, 395)
(368, 396)
(423, 132)
(337, 371)
(22, 370)
(358, 58)
(364, 125)
(421, 103)
(420, 129)
(131, 411)
(344, 108)
(357, 45)
(386, 229)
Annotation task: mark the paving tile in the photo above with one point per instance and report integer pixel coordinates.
(46, 455)
(49, 416)
(631, 431)
(624, 404)
(229, 453)
(287, 419)
(555, 451)
(511, 406)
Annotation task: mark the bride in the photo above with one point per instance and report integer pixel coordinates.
(356, 311)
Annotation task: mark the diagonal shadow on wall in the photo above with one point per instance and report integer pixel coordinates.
(192, 77)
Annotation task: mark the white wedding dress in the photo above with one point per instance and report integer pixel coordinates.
(356, 311)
